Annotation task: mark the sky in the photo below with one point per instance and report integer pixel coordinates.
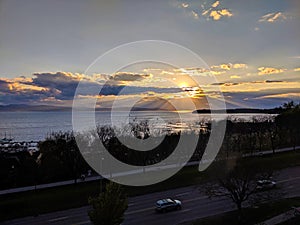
(250, 47)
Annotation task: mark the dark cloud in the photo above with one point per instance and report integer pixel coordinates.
(218, 84)
(62, 86)
(226, 84)
(273, 81)
(4, 86)
(126, 76)
(252, 82)
(64, 83)
(128, 90)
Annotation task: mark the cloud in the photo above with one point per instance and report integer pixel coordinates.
(215, 72)
(225, 12)
(19, 84)
(5, 85)
(235, 77)
(218, 14)
(215, 4)
(61, 87)
(13, 92)
(272, 86)
(297, 69)
(45, 86)
(273, 17)
(195, 15)
(127, 76)
(213, 11)
(130, 90)
(215, 15)
(239, 66)
(229, 66)
(64, 83)
(273, 81)
(269, 70)
(218, 84)
(282, 96)
(185, 5)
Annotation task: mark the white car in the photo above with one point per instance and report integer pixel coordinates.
(265, 184)
(168, 204)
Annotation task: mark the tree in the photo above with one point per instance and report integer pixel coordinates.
(289, 105)
(289, 122)
(238, 184)
(109, 207)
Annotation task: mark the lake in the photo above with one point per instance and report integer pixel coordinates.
(35, 126)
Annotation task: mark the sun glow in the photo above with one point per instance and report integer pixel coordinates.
(183, 84)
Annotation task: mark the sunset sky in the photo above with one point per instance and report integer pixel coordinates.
(251, 47)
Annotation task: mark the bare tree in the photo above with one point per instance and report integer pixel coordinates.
(238, 183)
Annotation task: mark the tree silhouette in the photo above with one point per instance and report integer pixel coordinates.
(109, 207)
(239, 183)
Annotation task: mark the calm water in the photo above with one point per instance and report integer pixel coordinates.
(35, 126)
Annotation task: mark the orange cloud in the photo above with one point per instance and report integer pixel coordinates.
(257, 86)
(269, 70)
(285, 95)
(214, 5)
(273, 17)
(218, 14)
(22, 84)
(214, 12)
(217, 72)
(225, 12)
(235, 77)
(229, 66)
(239, 66)
(215, 15)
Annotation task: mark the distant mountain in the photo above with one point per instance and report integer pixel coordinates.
(139, 107)
(240, 110)
(24, 108)
(47, 108)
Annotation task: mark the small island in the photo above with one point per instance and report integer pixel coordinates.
(240, 110)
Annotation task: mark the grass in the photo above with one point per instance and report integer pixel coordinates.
(76, 195)
(293, 221)
(250, 215)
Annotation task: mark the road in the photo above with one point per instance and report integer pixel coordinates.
(141, 208)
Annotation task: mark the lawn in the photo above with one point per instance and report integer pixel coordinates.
(250, 215)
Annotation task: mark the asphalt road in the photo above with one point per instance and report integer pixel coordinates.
(141, 208)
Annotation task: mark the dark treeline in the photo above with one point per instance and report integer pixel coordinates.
(60, 159)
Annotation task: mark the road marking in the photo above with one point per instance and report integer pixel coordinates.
(83, 222)
(58, 219)
(185, 193)
(139, 210)
(185, 210)
(290, 187)
(282, 181)
(195, 199)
